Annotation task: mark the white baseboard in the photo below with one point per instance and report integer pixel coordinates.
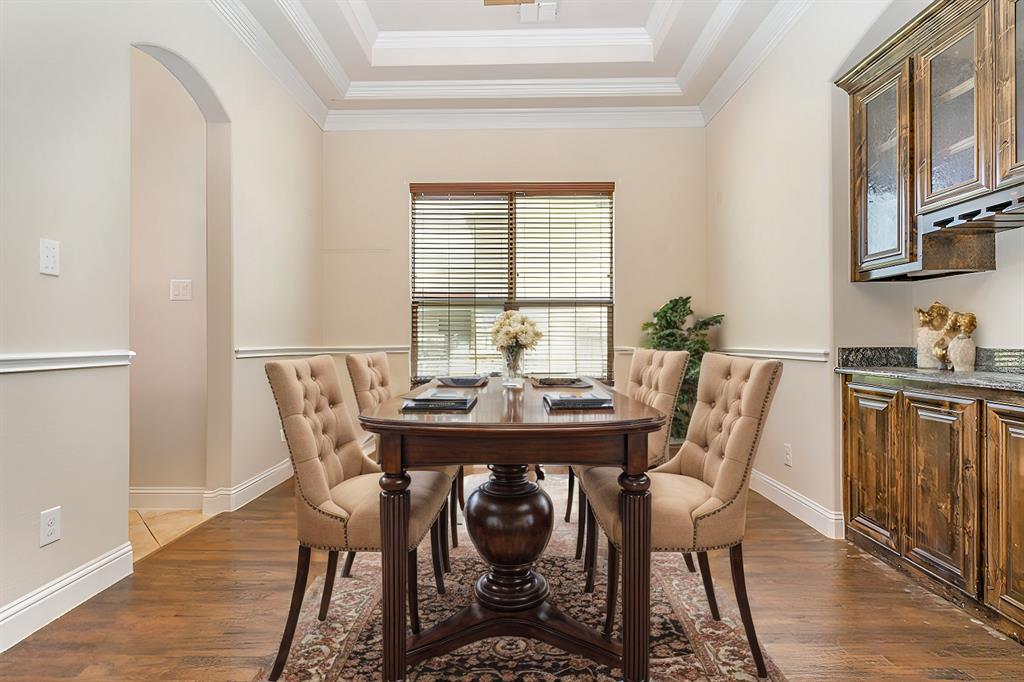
(827, 522)
(235, 497)
(25, 615)
(141, 497)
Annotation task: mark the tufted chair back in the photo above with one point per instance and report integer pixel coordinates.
(321, 438)
(371, 378)
(733, 399)
(655, 377)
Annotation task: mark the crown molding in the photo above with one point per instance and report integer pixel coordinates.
(780, 19)
(315, 43)
(523, 88)
(516, 46)
(493, 119)
(707, 41)
(254, 36)
(360, 20)
(17, 363)
(660, 21)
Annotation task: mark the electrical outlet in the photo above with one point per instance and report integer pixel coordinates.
(49, 526)
(281, 433)
(181, 290)
(49, 257)
(787, 457)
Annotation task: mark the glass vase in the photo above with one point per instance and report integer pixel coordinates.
(513, 374)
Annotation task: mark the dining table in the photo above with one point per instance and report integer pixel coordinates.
(509, 518)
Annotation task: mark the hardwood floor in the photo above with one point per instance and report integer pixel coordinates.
(211, 606)
(151, 529)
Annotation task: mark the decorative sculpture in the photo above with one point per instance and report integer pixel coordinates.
(961, 350)
(931, 329)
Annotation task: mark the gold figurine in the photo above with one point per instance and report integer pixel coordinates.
(931, 329)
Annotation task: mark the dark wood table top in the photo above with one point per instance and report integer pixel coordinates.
(504, 411)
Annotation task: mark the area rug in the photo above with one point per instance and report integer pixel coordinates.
(686, 644)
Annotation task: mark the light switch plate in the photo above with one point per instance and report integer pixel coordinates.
(181, 290)
(49, 526)
(49, 257)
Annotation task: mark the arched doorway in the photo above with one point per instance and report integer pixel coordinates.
(180, 293)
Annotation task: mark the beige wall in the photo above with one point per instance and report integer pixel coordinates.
(66, 168)
(659, 213)
(777, 186)
(168, 241)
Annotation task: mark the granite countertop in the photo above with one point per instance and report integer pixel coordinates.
(1003, 381)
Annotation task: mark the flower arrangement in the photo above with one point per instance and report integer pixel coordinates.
(513, 333)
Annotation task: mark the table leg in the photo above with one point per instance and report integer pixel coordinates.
(635, 507)
(394, 531)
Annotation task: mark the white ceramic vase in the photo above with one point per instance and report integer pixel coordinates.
(962, 353)
(926, 338)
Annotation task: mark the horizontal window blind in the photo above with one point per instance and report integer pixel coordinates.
(543, 249)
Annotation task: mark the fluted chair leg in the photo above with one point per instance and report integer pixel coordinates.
(332, 569)
(613, 588)
(435, 555)
(568, 504)
(739, 583)
(688, 558)
(591, 559)
(414, 593)
(346, 570)
(581, 522)
(709, 585)
(453, 510)
(298, 591)
(443, 519)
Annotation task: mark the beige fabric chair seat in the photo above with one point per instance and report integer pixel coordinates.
(357, 499)
(673, 502)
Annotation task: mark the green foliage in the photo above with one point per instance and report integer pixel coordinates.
(671, 329)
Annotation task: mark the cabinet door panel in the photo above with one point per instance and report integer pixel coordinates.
(953, 108)
(1009, 87)
(1004, 504)
(883, 206)
(941, 529)
(872, 471)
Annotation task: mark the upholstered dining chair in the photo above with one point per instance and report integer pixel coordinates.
(371, 382)
(699, 497)
(655, 378)
(337, 487)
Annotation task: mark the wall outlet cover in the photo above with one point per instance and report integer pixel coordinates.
(181, 290)
(49, 257)
(49, 526)
(787, 457)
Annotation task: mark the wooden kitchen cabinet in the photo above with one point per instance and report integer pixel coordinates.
(1004, 504)
(940, 510)
(882, 172)
(1009, 92)
(872, 428)
(953, 113)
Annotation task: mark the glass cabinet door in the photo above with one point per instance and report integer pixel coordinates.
(1009, 83)
(953, 116)
(882, 208)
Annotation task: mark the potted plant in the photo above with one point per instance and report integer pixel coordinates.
(676, 327)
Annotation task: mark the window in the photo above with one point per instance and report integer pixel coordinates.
(543, 249)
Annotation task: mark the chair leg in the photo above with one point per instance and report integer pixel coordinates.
(709, 585)
(332, 569)
(462, 488)
(443, 530)
(568, 505)
(414, 593)
(591, 558)
(435, 555)
(346, 570)
(739, 583)
(688, 558)
(581, 522)
(613, 588)
(454, 511)
(301, 574)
